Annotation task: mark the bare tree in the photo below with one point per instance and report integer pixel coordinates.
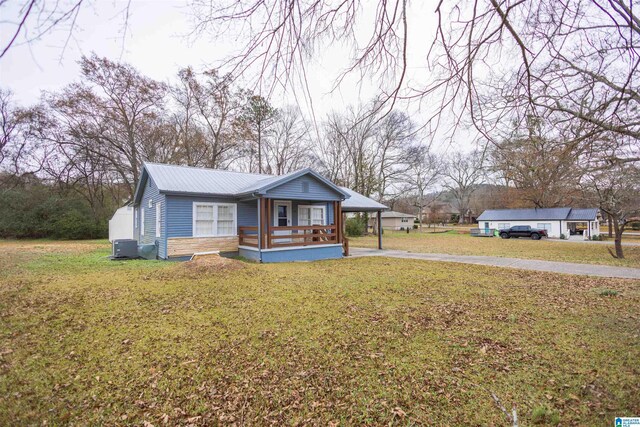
(257, 120)
(215, 108)
(544, 168)
(289, 147)
(462, 174)
(114, 114)
(425, 171)
(8, 124)
(27, 21)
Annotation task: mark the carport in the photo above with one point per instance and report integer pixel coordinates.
(358, 203)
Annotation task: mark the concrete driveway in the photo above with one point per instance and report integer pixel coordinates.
(523, 264)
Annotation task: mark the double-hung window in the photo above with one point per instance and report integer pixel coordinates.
(311, 215)
(503, 225)
(544, 226)
(141, 220)
(214, 219)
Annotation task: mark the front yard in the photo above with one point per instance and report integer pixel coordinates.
(356, 341)
(455, 243)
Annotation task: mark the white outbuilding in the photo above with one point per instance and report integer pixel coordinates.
(574, 223)
(121, 224)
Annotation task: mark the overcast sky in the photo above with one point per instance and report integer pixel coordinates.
(157, 43)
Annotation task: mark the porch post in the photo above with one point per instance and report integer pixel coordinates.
(269, 209)
(264, 224)
(259, 223)
(336, 221)
(379, 229)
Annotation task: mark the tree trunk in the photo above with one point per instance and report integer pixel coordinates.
(618, 239)
(610, 225)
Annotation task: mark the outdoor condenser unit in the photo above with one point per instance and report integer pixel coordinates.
(125, 248)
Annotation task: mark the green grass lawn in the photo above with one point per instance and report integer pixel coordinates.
(455, 243)
(89, 341)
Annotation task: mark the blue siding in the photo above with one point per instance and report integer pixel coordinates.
(295, 189)
(149, 237)
(249, 254)
(180, 213)
(309, 253)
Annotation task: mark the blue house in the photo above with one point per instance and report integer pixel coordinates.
(294, 217)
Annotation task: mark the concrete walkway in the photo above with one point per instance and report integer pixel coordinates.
(523, 264)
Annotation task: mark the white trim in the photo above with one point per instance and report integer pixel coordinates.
(290, 248)
(215, 206)
(289, 212)
(142, 221)
(318, 205)
(158, 219)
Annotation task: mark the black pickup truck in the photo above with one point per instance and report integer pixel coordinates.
(523, 231)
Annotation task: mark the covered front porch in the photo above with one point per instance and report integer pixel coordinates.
(300, 230)
(293, 230)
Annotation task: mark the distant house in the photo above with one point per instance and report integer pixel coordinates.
(186, 210)
(578, 222)
(392, 220)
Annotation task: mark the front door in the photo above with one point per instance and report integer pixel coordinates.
(281, 218)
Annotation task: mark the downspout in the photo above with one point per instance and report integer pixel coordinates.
(259, 201)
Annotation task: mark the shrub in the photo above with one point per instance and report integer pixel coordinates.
(543, 415)
(563, 236)
(609, 293)
(355, 227)
(415, 226)
(635, 225)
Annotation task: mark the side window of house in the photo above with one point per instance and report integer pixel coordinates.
(214, 219)
(543, 226)
(503, 225)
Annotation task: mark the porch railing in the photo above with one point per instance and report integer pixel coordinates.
(302, 235)
(248, 236)
(280, 237)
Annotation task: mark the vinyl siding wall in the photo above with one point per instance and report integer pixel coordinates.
(149, 236)
(304, 188)
(180, 213)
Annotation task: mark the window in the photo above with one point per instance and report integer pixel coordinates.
(142, 220)
(504, 225)
(404, 220)
(135, 217)
(150, 203)
(305, 187)
(311, 215)
(214, 219)
(158, 219)
(226, 219)
(544, 226)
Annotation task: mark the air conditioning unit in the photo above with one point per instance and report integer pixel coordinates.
(125, 249)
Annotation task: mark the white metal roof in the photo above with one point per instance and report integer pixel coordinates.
(394, 214)
(539, 214)
(359, 203)
(193, 180)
